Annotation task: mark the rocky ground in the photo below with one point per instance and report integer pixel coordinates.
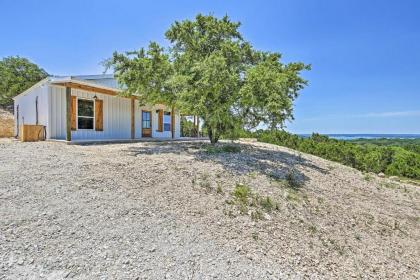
(186, 211)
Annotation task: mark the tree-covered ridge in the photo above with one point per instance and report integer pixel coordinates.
(391, 160)
(16, 75)
(412, 145)
(209, 70)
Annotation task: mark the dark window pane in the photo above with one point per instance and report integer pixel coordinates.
(85, 108)
(85, 123)
(167, 121)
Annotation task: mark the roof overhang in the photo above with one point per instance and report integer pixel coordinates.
(84, 85)
(71, 82)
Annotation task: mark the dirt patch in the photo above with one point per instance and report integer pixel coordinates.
(186, 211)
(6, 124)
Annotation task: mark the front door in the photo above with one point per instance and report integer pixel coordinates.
(146, 124)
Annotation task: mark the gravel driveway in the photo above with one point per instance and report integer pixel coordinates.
(167, 211)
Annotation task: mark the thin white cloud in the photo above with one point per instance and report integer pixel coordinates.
(366, 115)
(393, 114)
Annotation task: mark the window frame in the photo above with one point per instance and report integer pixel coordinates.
(149, 120)
(86, 117)
(167, 113)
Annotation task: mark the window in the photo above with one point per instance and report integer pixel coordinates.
(167, 121)
(145, 116)
(85, 114)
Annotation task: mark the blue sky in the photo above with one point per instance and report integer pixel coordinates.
(365, 55)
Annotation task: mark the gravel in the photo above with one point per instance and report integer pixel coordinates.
(167, 211)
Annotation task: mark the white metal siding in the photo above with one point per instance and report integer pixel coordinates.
(57, 97)
(116, 117)
(177, 124)
(155, 117)
(155, 133)
(137, 119)
(27, 107)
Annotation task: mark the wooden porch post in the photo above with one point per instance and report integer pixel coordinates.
(68, 114)
(173, 122)
(133, 127)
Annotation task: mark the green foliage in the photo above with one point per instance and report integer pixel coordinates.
(210, 71)
(246, 200)
(269, 91)
(16, 75)
(369, 158)
(241, 193)
(146, 74)
(404, 163)
(187, 128)
(293, 195)
(368, 177)
(267, 204)
(412, 145)
(292, 180)
(228, 148)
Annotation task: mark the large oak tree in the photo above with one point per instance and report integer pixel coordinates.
(16, 75)
(209, 70)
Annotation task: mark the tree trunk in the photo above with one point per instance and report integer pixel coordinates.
(214, 138)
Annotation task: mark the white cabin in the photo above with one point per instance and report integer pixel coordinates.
(90, 108)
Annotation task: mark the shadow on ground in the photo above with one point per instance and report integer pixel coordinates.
(273, 163)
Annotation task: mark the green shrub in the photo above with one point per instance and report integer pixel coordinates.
(267, 203)
(229, 148)
(292, 180)
(241, 193)
(404, 163)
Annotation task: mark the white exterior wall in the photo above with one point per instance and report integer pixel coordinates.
(57, 113)
(116, 117)
(155, 133)
(27, 107)
(137, 120)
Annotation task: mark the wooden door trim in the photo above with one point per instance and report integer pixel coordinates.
(151, 117)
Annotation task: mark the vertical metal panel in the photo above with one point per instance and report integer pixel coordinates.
(27, 106)
(68, 114)
(116, 117)
(155, 133)
(132, 118)
(57, 109)
(137, 119)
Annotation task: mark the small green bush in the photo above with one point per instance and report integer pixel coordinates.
(292, 180)
(267, 204)
(242, 193)
(216, 149)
